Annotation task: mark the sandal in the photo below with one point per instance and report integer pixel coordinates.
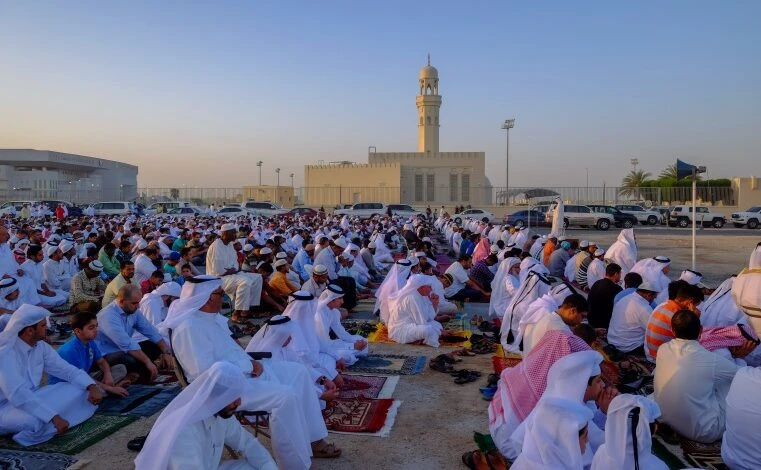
(326, 451)
(476, 460)
(440, 366)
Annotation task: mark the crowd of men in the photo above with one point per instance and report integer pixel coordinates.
(146, 293)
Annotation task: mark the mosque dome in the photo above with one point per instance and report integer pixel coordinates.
(429, 71)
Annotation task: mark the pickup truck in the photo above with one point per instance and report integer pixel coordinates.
(681, 216)
(749, 218)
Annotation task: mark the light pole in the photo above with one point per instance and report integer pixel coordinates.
(587, 185)
(507, 125)
(634, 162)
(259, 164)
(291, 175)
(277, 170)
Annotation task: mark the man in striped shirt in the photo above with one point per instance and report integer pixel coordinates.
(682, 296)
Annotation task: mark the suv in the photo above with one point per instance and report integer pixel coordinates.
(363, 210)
(583, 216)
(168, 205)
(113, 208)
(477, 214)
(405, 210)
(264, 209)
(644, 216)
(681, 216)
(749, 218)
(621, 219)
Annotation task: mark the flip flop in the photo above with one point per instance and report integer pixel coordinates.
(326, 451)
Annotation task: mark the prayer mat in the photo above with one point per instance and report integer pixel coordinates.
(368, 386)
(22, 460)
(389, 364)
(689, 454)
(78, 438)
(143, 400)
(167, 379)
(501, 363)
(363, 416)
(459, 338)
(380, 335)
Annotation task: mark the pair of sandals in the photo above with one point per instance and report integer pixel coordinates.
(465, 376)
(443, 363)
(477, 460)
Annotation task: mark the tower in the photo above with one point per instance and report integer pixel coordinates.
(428, 104)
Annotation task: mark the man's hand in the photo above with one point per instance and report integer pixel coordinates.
(152, 369)
(94, 394)
(340, 364)
(257, 368)
(61, 425)
(165, 362)
(605, 397)
(743, 350)
(360, 344)
(118, 391)
(108, 379)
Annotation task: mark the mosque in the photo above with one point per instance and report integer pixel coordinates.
(426, 177)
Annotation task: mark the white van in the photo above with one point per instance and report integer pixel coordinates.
(113, 208)
(168, 205)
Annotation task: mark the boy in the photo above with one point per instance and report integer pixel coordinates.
(82, 352)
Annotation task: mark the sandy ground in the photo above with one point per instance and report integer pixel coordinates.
(437, 418)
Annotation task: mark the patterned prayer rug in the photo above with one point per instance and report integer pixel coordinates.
(689, 454)
(365, 416)
(21, 460)
(368, 386)
(389, 364)
(78, 438)
(143, 400)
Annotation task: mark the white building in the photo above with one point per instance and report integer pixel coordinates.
(425, 177)
(27, 174)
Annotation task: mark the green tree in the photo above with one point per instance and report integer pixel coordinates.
(174, 193)
(668, 173)
(632, 182)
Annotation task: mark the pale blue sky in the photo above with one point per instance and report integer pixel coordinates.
(195, 93)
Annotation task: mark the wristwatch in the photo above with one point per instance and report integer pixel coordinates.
(322, 380)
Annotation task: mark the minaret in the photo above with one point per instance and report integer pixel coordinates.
(428, 104)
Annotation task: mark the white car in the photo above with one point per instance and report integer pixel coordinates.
(364, 210)
(405, 210)
(264, 209)
(113, 208)
(168, 206)
(644, 216)
(582, 216)
(749, 218)
(477, 214)
(232, 212)
(681, 216)
(183, 212)
(18, 205)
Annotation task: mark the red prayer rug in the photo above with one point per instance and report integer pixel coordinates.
(368, 386)
(373, 416)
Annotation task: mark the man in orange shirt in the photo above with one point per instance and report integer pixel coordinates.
(279, 281)
(682, 296)
(549, 247)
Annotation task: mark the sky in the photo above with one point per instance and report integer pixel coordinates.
(196, 93)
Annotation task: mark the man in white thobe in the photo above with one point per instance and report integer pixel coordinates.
(741, 445)
(144, 266)
(623, 251)
(33, 268)
(34, 414)
(571, 312)
(318, 282)
(195, 427)
(327, 319)
(55, 272)
(692, 383)
(200, 337)
(222, 261)
(628, 322)
(413, 313)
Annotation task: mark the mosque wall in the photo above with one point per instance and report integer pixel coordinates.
(748, 191)
(331, 185)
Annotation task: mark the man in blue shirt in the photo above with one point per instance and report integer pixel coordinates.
(631, 282)
(82, 352)
(118, 322)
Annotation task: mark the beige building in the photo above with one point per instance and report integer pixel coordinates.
(280, 195)
(425, 177)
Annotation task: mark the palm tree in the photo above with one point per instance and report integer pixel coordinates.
(668, 173)
(633, 181)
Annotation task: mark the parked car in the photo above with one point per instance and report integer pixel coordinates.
(303, 212)
(232, 212)
(183, 212)
(264, 209)
(681, 216)
(665, 213)
(71, 209)
(405, 210)
(478, 214)
(113, 208)
(620, 219)
(644, 216)
(364, 210)
(749, 218)
(582, 216)
(18, 205)
(522, 218)
(167, 205)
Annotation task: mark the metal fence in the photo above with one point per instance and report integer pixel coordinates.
(332, 196)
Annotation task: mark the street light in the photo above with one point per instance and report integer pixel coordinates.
(507, 125)
(259, 164)
(277, 170)
(634, 162)
(291, 175)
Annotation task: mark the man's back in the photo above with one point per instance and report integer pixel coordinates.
(600, 299)
(659, 328)
(741, 446)
(691, 384)
(629, 323)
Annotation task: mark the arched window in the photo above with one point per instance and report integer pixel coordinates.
(428, 120)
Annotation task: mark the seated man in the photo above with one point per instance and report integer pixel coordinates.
(117, 323)
(34, 414)
(682, 296)
(601, 295)
(463, 287)
(318, 282)
(126, 276)
(56, 272)
(413, 312)
(481, 272)
(200, 337)
(279, 281)
(741, 446)
(691, 383)
(195, 427)
(87, 286)
(628, 323)
(32, 267)
(82, 352)
(156, 279)
(327, 320)
(571, 312)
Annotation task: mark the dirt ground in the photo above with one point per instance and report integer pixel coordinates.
(437, 418)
